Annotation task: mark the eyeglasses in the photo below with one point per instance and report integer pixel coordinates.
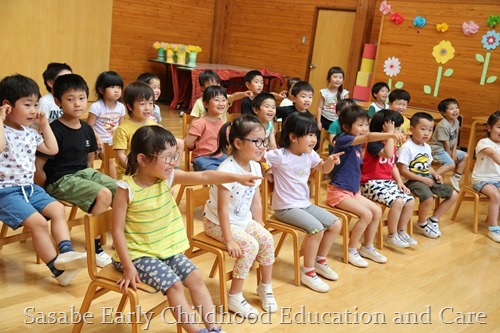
(259, 142)
(170, 158)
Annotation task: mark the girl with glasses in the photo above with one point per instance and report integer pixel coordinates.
(148, 231)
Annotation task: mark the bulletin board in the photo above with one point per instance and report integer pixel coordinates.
(425, 48)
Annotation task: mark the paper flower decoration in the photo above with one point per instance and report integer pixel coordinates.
(397, 18)
(156, 45)
(442, 27)
(419, 21)
(392, 66)
(491, 40)
(493, 20)
(385, 8)
(443, 52)
(193, 48)
(469, 28)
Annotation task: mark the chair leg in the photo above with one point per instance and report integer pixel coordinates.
(380, 235)
(345, 240)
(133, 305)
(214, 269)
(87, 300)
(122, 304)
(475, 224)
(222, 281)
(461, 196)
(179, 194)
(296, 259)
(280, 243)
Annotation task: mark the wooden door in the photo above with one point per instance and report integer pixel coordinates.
(332, 44)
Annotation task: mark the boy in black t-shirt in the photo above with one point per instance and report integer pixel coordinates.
(68, 175)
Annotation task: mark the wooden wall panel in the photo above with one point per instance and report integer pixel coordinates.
(35, 33)
(137, 24)
(413, 46)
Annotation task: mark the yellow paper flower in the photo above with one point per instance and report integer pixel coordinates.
(167, 46)
(175, 47)
(442, 27)
(156, 45)
(193, 49)
(443, 52)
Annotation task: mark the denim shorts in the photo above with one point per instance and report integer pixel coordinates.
(479, 186)
(208, 162)
(446, 159)
(17, 203)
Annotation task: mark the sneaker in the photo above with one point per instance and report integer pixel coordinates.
(314, 282)
(267, 298)
(407, 238)
(495, 235)
(71, 260)
(325, 271)
(455, 183)
(372, 255)
(428, 230)
(356, 260)
(67, 276)
(435, 226)
(396, 241)
(102, 259)
(239, 305)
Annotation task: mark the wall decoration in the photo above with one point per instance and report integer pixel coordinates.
(442, 27)
(419, 21)
(442, 52)
(493, 20)
(392, 67)
(490, 41)
(470, 28)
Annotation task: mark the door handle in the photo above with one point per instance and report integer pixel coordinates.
(312, 66)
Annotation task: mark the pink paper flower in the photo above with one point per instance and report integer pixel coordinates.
(470, 28)
(397, 18)
(385, 8)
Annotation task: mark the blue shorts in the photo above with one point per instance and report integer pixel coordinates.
(208, 162)
(161, 273)
(479, 186)
(17, 203)
(446, 159)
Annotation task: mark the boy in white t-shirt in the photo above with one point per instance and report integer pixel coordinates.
(46, 102)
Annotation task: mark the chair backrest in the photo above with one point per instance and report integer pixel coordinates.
(186, 122)
(477, 132)
(107, 154)
(94, 226)
(267, 190)
(323, 142)
(232, 116)
(194, 198)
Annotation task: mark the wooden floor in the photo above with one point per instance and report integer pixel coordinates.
(447, 285)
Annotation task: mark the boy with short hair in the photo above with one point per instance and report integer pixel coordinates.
(289, 84)
(414, 165)
(445, 140)
(22, 202)
(46, 103)
(254, 81)
(398, 101)
(209, 78)
(68, 174)
(302, 96)
(380, 91)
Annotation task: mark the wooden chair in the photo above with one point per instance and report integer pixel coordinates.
(323, 144)
(201, 243)
(104, 280)
(186, 122)
(107, 155)
(13, 237)
(468, 193)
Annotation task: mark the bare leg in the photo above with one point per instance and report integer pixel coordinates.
(236, 286)
(372, 228)
(406, 214)
(267, 274)
(312, 243)
(394, 216)
(328, 238)
(445, 205)
(445, 168)
(201, 297)
(462, 164)
(180, 308)
(493, 194)
(102, 203)
(356, 206)
(42, 242)
(423, 209)
(59, 226)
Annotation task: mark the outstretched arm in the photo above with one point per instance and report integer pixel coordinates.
(212, 177)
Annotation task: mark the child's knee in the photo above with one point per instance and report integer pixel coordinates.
(104, 196)
(175, 288)
(37, 223)
(398, 204)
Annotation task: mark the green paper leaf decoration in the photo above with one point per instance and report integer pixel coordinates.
(491, 79)
(479, 57)
(427, 89)
(399, 84)
(448, 72)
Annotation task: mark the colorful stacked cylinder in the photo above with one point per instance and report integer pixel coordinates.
(362, 89)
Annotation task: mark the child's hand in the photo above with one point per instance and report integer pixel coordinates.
(248, 180)
(427, 181)
(336, 157)
(403, 188)
(130, 278)
(454, 156)
(249, 94)
(282, 93)
(41, 121)
(269, 176)
(233, 249)
(438, 179)
(400, 137)
(388, 127)
(4, 111)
